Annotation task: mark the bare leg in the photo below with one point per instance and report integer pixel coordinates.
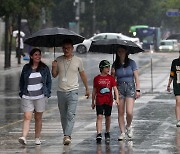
(108, 121)
(99, 123)
(129, 110)
(121, 109)
(177, 109)
(38, 123)
(26, 123)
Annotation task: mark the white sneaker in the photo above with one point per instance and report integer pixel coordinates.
(37, 141)
(130, 144)
(122, 137)
(129, 132)
(178, 123)
(22, 140)
(67, 140)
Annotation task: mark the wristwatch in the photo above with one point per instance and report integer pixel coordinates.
(138, 91)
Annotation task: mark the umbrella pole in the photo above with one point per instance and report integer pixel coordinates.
(113, 49)
(54, 53)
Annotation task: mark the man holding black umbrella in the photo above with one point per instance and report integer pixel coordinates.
(67, 68)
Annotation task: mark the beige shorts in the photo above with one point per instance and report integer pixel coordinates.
(31, 105)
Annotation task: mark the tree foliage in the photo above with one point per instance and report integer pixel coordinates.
(172, 23)
(114, 15)
(111, 15)
(29, 9)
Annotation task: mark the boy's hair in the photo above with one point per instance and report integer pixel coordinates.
(103, 64)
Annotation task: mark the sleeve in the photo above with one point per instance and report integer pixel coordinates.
(21, 82)
(173, 70)
(81, 67)
(133, 65)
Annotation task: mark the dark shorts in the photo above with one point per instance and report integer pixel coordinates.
(126, 89)
(104, 109)
(176, 88)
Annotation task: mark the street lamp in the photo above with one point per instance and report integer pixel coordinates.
(93, 16)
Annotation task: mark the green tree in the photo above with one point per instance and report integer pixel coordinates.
(63, 12)
(172, 23)
(12, 11)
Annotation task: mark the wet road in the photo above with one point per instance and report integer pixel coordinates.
(154, 119)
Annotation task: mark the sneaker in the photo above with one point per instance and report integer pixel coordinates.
(22, 140)
(130, 144)
(37, 141)
(67, 140)
(129, 132)
(178, 123)
(107, 136)
(98, 138)
(122, 137)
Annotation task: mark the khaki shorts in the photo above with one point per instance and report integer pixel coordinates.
(31, 105)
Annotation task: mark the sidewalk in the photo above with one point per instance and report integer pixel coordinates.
(153, 123)
(14, 64)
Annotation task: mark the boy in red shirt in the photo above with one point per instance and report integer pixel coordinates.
(102, 98)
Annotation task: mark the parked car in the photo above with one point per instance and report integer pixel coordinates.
(85, 45)
(169, 45)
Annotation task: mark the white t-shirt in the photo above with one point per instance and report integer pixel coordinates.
(68, 73)
(21, 43)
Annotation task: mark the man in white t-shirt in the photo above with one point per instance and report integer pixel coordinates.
(67, 67)
(20, 52)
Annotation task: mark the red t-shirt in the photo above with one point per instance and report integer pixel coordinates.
(103, 85)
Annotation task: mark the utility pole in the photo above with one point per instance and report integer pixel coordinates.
(94, 18)
(7, 62)
(77, 18)
(19, 35)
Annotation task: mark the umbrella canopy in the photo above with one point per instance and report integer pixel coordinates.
(110, 46)
(174, 36)
(16, 32)
(53, 37)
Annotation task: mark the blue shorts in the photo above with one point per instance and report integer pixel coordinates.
(126, 89)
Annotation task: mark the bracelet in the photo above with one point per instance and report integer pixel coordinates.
(168, 86)
(138, 91)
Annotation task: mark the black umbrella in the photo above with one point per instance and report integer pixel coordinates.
(53, 37)
(174, 36)
(111, 45)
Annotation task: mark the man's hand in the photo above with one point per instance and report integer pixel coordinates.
(54, 68)
(54, 63)
(87, 94)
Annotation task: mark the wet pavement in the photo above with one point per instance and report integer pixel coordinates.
(154, 118)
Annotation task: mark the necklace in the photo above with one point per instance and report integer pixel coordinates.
(66, 65)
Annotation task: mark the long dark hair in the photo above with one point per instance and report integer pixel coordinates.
(41, 64)
(117, 62)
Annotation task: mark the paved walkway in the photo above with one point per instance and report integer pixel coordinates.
(154, 123)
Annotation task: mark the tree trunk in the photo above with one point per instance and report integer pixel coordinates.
(19, 29)
(7, 63)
